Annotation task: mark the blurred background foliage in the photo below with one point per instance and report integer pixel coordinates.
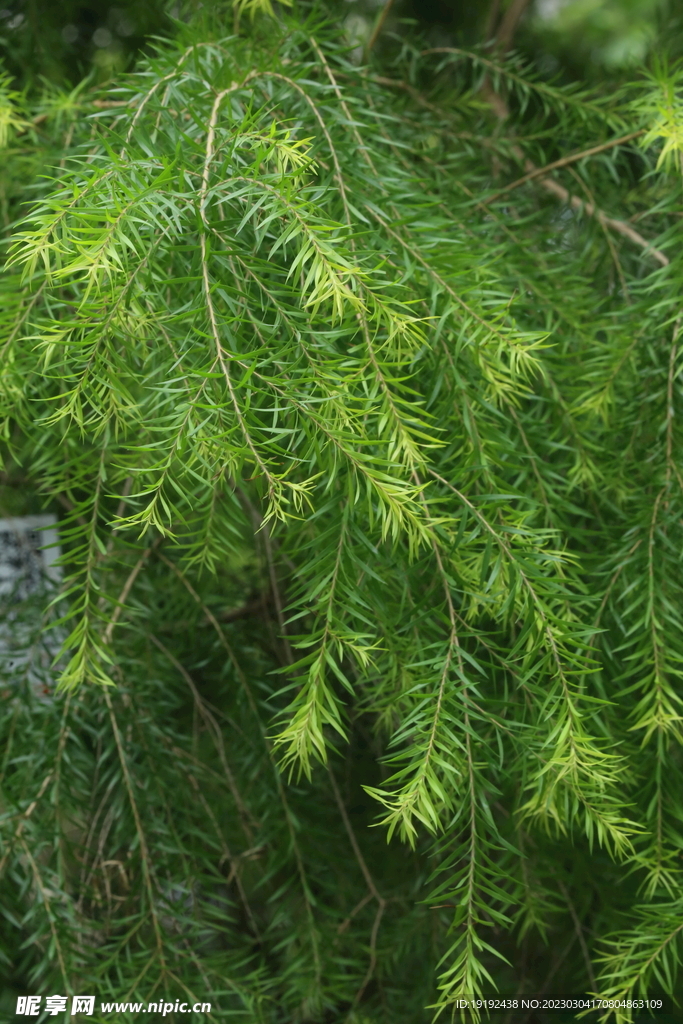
(576, 39)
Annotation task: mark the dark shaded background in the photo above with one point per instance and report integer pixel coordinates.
(64, 40)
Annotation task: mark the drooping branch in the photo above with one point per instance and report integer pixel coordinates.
(539, 172)
(533, 172)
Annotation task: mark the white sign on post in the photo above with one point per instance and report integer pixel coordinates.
(29, 550)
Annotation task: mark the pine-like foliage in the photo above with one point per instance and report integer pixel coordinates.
(358, 394)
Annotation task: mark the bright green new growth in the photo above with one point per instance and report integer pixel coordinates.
(272, 327)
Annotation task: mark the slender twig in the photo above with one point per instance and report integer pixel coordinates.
(608, 238)
(620, 226)
(144, 849)
(278, 779)
(24, 818)
(215, 730)
(509, 22)
(356, 910)
(500, 108)
(491, 20)
(671, 466)
(579, 933)
(373, 954)
(227, 853)
(127, 587)
(370, 882)
(45, 895)
(379, 24)
(275, 589)
(538, 172)
(415, 94)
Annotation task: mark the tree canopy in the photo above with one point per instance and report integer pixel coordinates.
(355, 382)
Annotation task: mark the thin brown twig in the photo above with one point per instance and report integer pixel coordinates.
(500, 108)
(104, 833)
(215, 730)
(275, 589)
(370, 882)
(509, 22)
(379, 24)
(227, 853)
(573, 158)
(45, 897)
(356, 910)
(144, 850)
(579, 934)
(24, 818)
(373, 954)
(415, 94)
(554, 187)
(620, 226)
(671, 466)
(127, 587)
(491, 21)
(278, 779)
(612, 247)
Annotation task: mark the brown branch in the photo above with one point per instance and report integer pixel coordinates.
(228, 854)
(557, 964)
(275, 589)
(215, 730)
(278, 779)
(369, 880)
(379, 24)
(262, 529)
(245, 611)
(579, 934)
(670, 462)
(500, 109)
(538, 172)
(610, 222)
(356, 910)
(373, 892)
(373, 953)
(142, 839)
(509, 23)
(46, 894)
(415, 94)
(491, 21)
(612, 247)
(123, 596)
(24, 818)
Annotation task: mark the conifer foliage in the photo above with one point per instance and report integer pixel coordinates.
(357, 390)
